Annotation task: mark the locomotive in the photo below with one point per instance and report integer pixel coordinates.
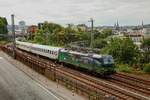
(100, 64)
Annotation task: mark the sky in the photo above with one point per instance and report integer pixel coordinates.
(104, 12)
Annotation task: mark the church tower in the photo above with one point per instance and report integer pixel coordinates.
(116, 26)
(142, 24)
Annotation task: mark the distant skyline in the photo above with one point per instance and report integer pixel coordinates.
(104, 12)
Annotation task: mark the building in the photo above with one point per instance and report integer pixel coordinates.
(146, 32)
(22, 27)
(116, 26)
(82, 27)
(79, 27)
(32, 29)
(136, 36)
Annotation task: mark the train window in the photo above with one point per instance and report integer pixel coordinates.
(84, 60)
(90, 60)
(97, 62)
(108, 60)
(56, 53)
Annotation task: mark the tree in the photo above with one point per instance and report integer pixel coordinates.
(105, 33)
(146, 52)
(99, 43)
(3, 26)
(55, 34)
(146, 42)
(123, 51)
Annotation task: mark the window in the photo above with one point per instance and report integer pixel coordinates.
(96, 62)
(108, 60)
(86, 60)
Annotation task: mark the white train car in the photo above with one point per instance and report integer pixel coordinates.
(43, 50)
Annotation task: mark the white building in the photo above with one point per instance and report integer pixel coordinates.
(146, 32)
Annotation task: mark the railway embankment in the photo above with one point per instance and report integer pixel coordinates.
(90, 87)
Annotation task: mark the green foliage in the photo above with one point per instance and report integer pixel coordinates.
(3, 26)
(3, 42)
(145, 58)
(146, 68)
(146, 54)
(99, 43)
(123, 68)
(123, 51)
(54, 34)
(100, 38)
(146, 42)
(105, 33)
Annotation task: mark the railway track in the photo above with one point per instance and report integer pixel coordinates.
(89, 81)
(136, 79)
(135, 85)
(115, 90)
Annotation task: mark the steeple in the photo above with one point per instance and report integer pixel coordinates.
(117, 26)
(142, 24)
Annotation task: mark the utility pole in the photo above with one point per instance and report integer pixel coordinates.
(14, 36)
(92, 33)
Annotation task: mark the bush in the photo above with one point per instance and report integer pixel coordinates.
(146, 68)
(123, 68)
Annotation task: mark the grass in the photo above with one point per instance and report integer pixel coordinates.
(2, 42)
(130, 69)
(123, 68)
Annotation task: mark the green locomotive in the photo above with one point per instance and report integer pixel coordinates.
(100, 64)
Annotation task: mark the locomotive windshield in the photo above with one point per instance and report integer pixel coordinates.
(105, 60)
(108, 60)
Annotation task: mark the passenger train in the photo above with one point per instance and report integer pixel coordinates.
(100, 64)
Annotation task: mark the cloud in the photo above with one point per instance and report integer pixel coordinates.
(105, 12)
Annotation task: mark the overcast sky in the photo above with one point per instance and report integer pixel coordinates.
(104, 12)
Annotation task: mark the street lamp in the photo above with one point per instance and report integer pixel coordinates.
(14, 36)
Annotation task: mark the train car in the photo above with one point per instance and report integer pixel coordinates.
(43, 50)
(100, 64)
